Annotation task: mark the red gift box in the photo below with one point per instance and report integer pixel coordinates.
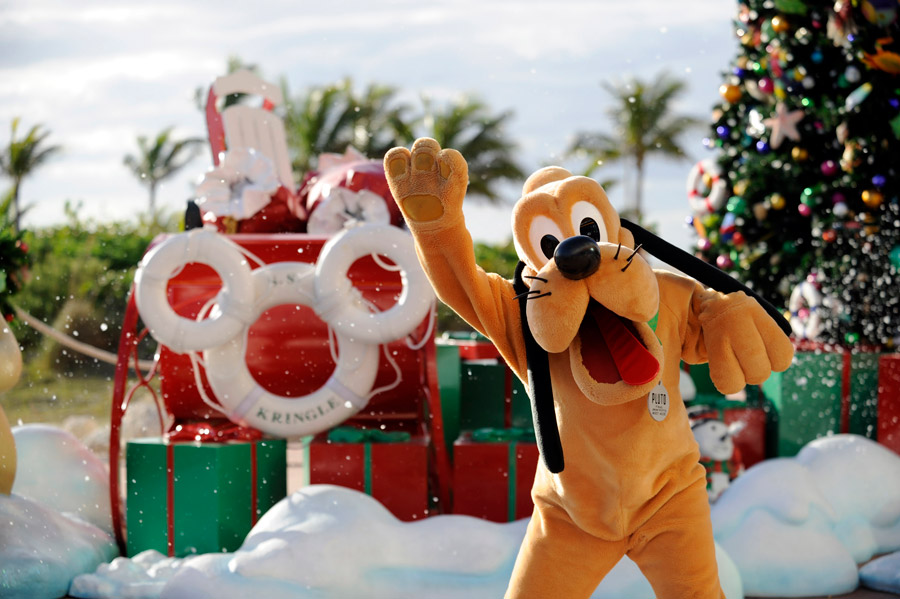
(889, 402)
(493, 480)
(394, 473)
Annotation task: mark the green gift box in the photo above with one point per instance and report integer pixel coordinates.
(491, 396)
(188, 498)
(824, 393)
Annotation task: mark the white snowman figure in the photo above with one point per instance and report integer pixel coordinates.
(718, 453)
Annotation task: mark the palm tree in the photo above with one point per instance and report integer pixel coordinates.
(329, 118)
(467, 125)
(644, 124)
(160, 159)
(21, 157)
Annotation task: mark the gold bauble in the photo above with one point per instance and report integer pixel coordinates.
(740, 188)
(780, 24)
(799, 154)
(777, 201)
(730, 93)
(872, 198)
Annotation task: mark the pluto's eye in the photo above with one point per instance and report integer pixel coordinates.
(587, 220)
(548, 245)
(590, 228)
(543, 237)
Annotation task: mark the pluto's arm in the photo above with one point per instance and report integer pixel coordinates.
(732, 332)
(429, 185)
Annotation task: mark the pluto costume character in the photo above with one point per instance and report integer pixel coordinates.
(614, 332)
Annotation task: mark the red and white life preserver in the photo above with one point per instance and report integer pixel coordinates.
(705, 197)
(806, 295)
(345, 311)
(246, 402)
(234, 300)
(246, 294)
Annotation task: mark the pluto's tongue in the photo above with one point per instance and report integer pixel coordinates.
(634, 364)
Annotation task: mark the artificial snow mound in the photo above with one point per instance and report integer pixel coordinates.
(336, 543)
(861, 480)
(57, 470)
(798, 527)
(41, 550)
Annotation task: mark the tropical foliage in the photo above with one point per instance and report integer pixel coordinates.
(159, 159)
(13, 256)
(329, 118)
(644, 124)
(21, 157)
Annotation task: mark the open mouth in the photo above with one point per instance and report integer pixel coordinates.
(612, 350)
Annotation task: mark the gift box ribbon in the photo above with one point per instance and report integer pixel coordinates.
(510, 436)
(170, 482)
(366, 436)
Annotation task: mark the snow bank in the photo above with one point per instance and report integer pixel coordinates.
(799, 526)
(861, 480)
(57, 470)
(41, 550)
(331, 542)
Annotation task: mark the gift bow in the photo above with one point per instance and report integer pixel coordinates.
(212, 432)
(348, 434)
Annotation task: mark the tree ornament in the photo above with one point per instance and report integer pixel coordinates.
(706, 189)
(777, 201)
(829, 236)
(799, 154)
(730, 93)
(760, 211)
(736, 205)
(738, 239)
(804, 210)
(766, 86)
(880, 12)
(703, 244)
(895, 256)
(724, 262)
(852, 74)
(780, 24)
(858, 96)
(829, 168)
(872, 198)
(763, 147)
(783, 124)
(879, 181)
(851, 158)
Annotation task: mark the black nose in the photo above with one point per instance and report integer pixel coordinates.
(577, 257)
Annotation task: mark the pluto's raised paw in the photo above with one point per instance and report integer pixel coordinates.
(427, 182)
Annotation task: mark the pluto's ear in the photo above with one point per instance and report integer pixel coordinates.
(626, 238)
(548, 174)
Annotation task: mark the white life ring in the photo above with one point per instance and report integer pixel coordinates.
(235, 299)
(703, 198)
(342, 396)
(811, 326)
(345, 311)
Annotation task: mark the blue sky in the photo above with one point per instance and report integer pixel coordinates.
(98, 74)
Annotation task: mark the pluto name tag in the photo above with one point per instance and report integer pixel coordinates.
(658, 402)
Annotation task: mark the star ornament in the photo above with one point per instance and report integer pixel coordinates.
(783, 124)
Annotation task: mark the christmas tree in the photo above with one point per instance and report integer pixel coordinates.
(801, 198)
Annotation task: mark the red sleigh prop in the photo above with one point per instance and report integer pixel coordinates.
(412, 406)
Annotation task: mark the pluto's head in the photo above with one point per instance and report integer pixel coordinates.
(591, 294)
